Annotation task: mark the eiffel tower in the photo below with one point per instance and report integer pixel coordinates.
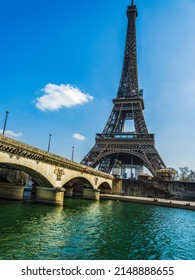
(117, 146)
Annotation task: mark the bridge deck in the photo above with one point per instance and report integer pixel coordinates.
(20, 149)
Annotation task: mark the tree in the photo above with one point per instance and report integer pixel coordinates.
(186, 174)
(191, 176)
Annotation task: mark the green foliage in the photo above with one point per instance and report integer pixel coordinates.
(186, 174)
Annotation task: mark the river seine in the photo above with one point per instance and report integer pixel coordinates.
(89, 230)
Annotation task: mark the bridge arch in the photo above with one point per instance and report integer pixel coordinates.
(38, 172)
(81, 180)
(74, 187)
(87, 178)
(37, 177)
(105, 188)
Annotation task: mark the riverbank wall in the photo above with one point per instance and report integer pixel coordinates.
(159, 189)
(182, 204)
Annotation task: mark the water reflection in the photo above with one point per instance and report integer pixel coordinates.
(95, 230)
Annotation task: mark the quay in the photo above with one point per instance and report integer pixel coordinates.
(58, 177)
(183, 204)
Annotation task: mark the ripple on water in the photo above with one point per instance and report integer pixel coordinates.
(96, 230)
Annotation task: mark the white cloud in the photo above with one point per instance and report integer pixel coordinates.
(78, 136)
(11, 134)
(59, 96)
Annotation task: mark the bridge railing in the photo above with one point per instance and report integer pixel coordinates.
(20, 149)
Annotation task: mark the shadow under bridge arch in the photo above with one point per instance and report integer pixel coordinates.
(105, 188)
(37, 178)
(74, 187)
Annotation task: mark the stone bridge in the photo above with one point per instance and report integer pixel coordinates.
(52, 174)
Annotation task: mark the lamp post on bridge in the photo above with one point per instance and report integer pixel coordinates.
(72, 153)
(49, 143)
(5, 122)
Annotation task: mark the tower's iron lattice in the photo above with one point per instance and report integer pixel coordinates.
(116, 146)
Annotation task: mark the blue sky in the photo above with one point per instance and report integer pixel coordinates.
(49, 49)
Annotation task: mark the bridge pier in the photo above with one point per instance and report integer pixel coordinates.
(93, 194)
(117, 186)
(50, 195)
(11, 191)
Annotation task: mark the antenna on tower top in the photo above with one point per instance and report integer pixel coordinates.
(132, 2)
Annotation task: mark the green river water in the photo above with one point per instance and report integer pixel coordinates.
(90, 230)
